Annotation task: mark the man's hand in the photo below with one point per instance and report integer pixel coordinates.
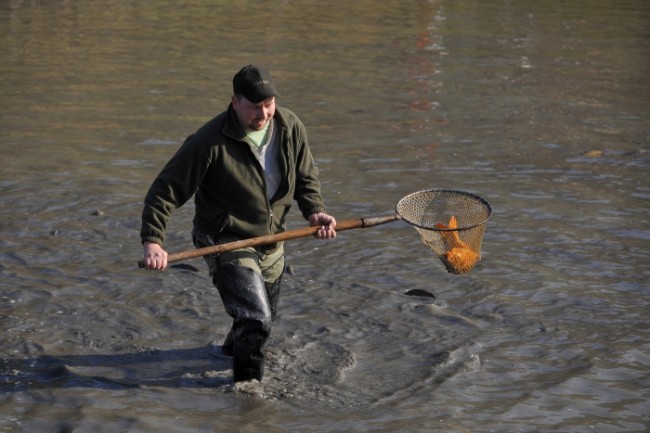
(155, 257)
(327, 223)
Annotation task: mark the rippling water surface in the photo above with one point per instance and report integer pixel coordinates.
(539, 107)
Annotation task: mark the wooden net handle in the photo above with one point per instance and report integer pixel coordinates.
(278, 237)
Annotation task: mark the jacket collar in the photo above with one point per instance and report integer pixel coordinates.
(231, 126)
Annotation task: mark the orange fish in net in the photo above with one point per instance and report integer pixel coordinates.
(458, 257)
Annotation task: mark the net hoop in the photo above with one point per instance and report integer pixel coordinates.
(406, 201)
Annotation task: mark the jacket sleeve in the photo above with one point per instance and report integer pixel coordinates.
(308, 190)
(174, 186)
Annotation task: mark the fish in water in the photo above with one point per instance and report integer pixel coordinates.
(458, 257)
(420, 293)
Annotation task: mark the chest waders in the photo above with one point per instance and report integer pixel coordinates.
(244, 297)
(248, 299)
(273, 296)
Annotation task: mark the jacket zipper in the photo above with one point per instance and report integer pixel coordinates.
(260, 170)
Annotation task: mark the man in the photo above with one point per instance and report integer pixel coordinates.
(244, 167)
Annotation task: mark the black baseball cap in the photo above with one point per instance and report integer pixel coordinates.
(255, 83)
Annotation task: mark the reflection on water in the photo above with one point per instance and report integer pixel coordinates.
(535, 106)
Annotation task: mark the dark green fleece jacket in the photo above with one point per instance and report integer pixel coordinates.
(219, 168)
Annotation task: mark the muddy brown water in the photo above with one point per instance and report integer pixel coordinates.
(541, 108)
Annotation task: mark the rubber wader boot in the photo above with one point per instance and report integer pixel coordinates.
(244, 297)
(273, 294)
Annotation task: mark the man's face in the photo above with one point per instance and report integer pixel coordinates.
(253, 115)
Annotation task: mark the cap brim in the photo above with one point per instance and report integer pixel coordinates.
(260, 96)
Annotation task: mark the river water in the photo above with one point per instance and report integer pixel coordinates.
(542, 108)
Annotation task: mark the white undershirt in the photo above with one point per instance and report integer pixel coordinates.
(267, 155)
